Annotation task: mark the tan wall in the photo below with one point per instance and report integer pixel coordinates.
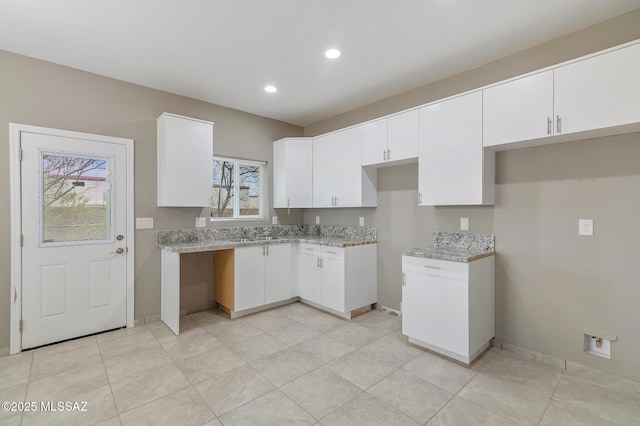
(44, 94)
(550, 282)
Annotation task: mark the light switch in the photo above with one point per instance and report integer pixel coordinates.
(317, 220)
(274, 220)
(464, 223)
(201, 222)
(361, 221)
(144, 223)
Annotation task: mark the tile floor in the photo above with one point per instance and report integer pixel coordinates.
(295, 365)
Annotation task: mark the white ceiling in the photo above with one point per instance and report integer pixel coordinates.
(225, 52)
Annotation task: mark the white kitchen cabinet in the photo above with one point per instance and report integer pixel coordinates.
(338, 177)
(598, 92)
(391, 141)
(449, 307)
(334, 278)
(519, 110)
(292, 173)
(453, 166)
(185, 161)
(253, 276)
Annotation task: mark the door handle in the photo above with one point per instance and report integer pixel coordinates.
(119, 250)
(15, 295)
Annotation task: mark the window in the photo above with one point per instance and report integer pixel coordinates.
(238, 189)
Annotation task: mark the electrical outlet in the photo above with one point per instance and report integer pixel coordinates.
(585, 227)
(464, 223)
(317, 220)
(361, 221)
(144, 223)
(274, 220)
(201, 222)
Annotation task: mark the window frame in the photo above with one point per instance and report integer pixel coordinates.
(237, 163)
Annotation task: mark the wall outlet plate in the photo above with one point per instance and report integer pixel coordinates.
(361, 221)
(201, 222)
(585, 227)
(144, 223)
(464, 223)
(317, 220)
(274, 220)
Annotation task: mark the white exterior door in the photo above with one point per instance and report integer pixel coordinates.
(74, 225)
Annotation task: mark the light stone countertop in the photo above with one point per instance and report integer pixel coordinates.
(456, 247)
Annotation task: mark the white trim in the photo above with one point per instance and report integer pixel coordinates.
(15, 336)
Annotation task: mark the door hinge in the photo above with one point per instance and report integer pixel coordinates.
(20, 155)
(21, 325)
(21, 240)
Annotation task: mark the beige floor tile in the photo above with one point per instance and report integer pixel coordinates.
(120, 333)
(232, 389)
(64, 346)
(272, 409)
(441, 372)
(411, 395)
(127, 343)
(189, 345)
(113, 421)
(324, 323)
(606, 380)
(99, 407)
(256, 347)
(379, 320)
(586, 397)
(508, 366)
(209, 317)
(184, 408)
(15, 394)
(356, 335)
(320, 392)
(231, 331)
(560, 415)
(268, 321)
(206, 365)
(295, 333)
(393, 349)
(15, 369)
(214, 422)
(366, 410)
(10, 419)
(134, 391)
(54, 362)
(459, 412)
(65, 386)
(188, 326)
(361, 368)
(301, 312)
(324, 349)
(284, 366)
(513, 401)
(134, 363)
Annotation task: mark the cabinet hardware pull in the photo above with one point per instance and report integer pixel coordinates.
(384, 154)
(267, 247)
(558, 124)
(287, 202)
(321, 262)
(263, 250)
(332, 252)
(419, 197)
(336, 204)
(317, 262)
(432, 267)
(404, 279)
(15, 295)
(388, 154)
(548, 125)
(309, 249)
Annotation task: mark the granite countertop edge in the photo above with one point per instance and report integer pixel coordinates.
(451, 254)
(225, 244)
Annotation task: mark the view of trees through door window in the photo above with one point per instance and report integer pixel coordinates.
(237, 188)
(75, 199)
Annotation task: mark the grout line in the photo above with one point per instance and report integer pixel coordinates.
(551, 398)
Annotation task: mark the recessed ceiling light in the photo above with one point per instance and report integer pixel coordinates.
(270, 89)
(332, 53)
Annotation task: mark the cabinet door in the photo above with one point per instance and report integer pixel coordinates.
(280, 198)
(436, 311)
(451, 164)
(518, 110)
(403, 136)
(310, 284)
(348, 172)
(374, 142)
(333, 290)
(299, 173)
(185, 161)
(598, 92)
(277, 273)
(324, 170)
(249, 278)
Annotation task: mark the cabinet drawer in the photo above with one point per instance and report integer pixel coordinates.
(441, 268)
(333, 252)
(304, 248)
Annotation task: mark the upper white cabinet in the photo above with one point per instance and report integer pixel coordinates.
(185, 161)
(518, 110)
(453, 166)
(598, 92)
(338, 177)
(391, 141)
(292, 173)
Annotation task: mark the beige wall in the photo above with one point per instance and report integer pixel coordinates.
(44, 94)
(550, 282)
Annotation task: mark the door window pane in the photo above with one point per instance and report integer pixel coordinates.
(76, 199)
(249, 176)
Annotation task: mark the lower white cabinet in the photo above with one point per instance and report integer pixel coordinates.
(253, 276)
(336, 279)
(449, 307)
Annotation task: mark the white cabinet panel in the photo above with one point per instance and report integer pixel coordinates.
(403, 136)
(292, 173)
(310, 279)
(277, 273)
(518, 110)
(249, 277)
(374, 142)
(598, 92)
(185, 161)
(324, 170)
(348, 170)
(453, 167)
